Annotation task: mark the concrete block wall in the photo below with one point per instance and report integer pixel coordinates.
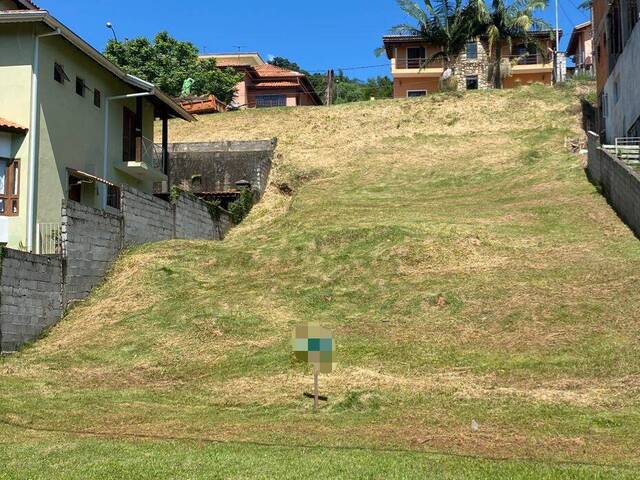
(619, 183)
(30, 296)
(193, 220)
(146, 218)
(91, 241)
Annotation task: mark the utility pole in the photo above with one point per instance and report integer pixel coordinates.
(556, 62)
(329, 94)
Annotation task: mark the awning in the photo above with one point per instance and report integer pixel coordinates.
(11, 127)
(88, 176)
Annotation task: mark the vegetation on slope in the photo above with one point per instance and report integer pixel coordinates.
(453, 245)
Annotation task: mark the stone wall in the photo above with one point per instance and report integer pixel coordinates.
(474, 67)
(30, 296)
(146, 218)
(619, 183)
(217, 166)
(91, 240)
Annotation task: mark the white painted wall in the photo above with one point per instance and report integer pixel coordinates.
(5, 145)
(625, 112)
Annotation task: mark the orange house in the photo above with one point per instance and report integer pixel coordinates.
(530, 61)
(266, 85)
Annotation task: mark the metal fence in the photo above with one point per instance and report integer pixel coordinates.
(49, 238)
(628, 149)
(152, 153)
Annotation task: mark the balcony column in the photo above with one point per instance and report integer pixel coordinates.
(165, 142)
(138, 129)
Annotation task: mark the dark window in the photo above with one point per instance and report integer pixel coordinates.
(80, 86)
(128, 136)
(75, 188)
(97, 98)
(632, 15)
(266, 101)
(472, 51)
(472, 82)
(416, 57)
(59, 74)
(9, 187)
(113, 197)
(416, 93)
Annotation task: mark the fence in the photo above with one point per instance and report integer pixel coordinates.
(49, 238)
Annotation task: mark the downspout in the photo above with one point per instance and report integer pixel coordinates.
(105, 157)
(34, 137)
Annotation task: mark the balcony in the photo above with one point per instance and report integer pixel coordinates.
(150, 166)
(530, 63)
(416, 67)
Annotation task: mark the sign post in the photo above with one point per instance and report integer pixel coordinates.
(314, 345)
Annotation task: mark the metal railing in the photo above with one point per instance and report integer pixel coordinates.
(49, 238)
(528, 59)
(418, 63)
(627, 149)
(152, 154)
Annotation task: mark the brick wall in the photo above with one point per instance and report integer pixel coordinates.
(619, 183)
(146, 218)
(91, 240)
(30, 296)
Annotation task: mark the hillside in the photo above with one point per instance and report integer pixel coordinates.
(455, 248)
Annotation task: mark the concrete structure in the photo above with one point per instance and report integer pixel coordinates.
(581, 48)
(413, 75)
(213, 168)
(35, 289)
(266, 85)
(82, 127)
(617, 48)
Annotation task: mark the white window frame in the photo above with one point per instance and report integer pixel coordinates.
(426, 92)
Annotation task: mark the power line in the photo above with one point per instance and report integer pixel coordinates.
(344, 69)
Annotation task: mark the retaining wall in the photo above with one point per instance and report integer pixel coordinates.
(30, 296)
(619, 183)
(221, 164)
(146, 218)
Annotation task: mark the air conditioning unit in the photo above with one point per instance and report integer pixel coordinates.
(4, 230)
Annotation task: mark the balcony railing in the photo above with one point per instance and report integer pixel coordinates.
(418, 63)
(528, 59)
(152, 154)
(627, 149)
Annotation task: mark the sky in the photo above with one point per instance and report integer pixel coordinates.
(316, 35)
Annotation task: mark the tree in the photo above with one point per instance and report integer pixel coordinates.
(448, 24)
(502, 23)
(168, 62)
(285, 63)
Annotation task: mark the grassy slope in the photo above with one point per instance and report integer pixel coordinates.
(466, 266)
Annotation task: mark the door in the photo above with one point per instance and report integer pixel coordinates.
(128, 136)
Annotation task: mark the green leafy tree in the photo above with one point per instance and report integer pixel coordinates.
(285, 63)
(167, 63)
(447, 24)
(503, 22)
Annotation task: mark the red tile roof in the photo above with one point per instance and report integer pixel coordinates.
(8, 126)
(271, 71)
(277, 84)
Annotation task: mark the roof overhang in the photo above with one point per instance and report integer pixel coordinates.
(34, 16)
(573, 41)
(88, 176)
(12, 127)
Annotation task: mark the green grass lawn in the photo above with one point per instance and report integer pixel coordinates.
(453, 245)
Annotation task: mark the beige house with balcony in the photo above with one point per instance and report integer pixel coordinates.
(530, 61)
(580, 47)
(73, 126)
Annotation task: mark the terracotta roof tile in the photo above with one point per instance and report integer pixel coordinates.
(270, 71)
(7, 125)
(276, 84)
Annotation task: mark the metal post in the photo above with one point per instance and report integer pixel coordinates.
(557, 49)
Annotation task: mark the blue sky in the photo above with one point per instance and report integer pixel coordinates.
(317, 35)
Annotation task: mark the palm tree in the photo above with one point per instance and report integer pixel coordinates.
(503, 23)
(444, 23)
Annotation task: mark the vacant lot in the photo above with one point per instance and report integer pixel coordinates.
(452, 244)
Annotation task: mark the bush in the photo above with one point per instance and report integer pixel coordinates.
(242, 206)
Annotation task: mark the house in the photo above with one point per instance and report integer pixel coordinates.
(581, 48)
(266, 85)
(74, 126)
(531, 61)
(617, 53)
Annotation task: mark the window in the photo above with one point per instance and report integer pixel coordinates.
(472, 51)
(633, 15)
(128, 136)
(9, 187)
(472, 82)
(416, 93)
(97, 98)
(113, 197)
(59, 74)
(616, 92)
(80, 86)
(605, 105)
(267, 101)
(416, 57)
(75, 188)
